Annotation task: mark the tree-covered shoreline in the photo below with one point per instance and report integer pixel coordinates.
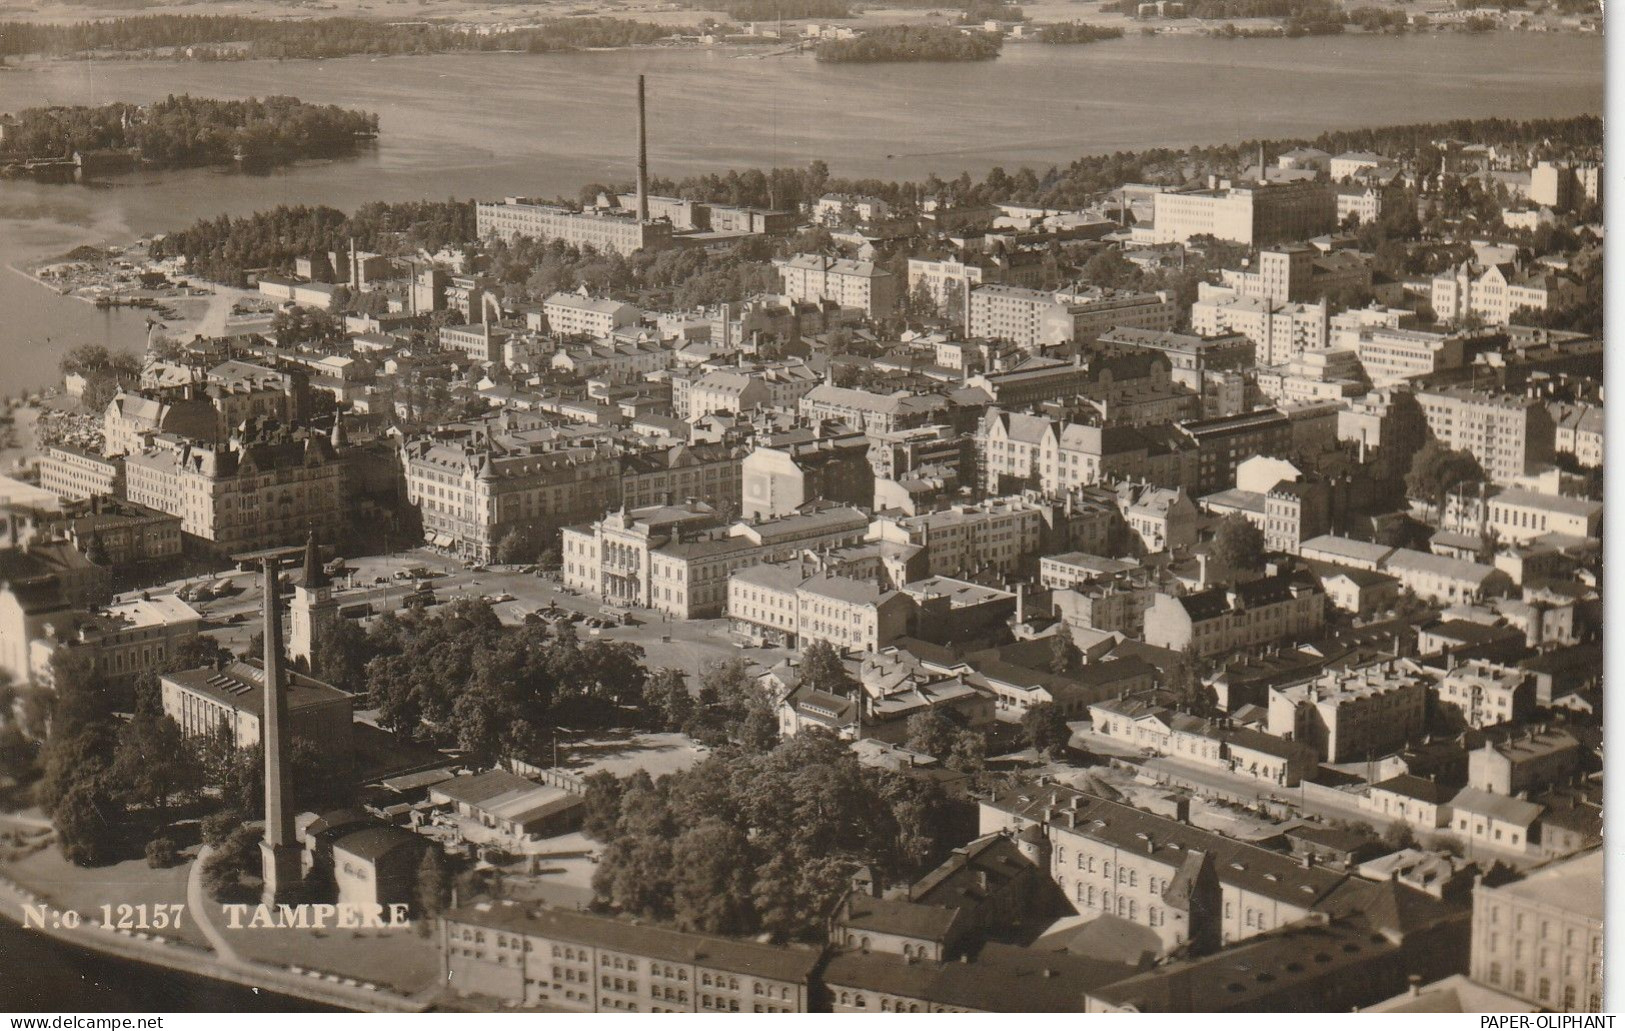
(911, 43)
(238, 37)
(186, 131)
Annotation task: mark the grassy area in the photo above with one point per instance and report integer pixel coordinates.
(131, 883)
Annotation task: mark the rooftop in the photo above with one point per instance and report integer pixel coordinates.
(644, 939)
(241, 686)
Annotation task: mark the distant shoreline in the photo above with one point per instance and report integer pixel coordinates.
(1249, 29)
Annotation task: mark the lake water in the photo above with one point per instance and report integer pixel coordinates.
(39, 974)
(489, 125)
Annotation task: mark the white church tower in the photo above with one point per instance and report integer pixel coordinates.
(313, 606)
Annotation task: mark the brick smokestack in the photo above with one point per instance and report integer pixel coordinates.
(274, 728)
(643, 157)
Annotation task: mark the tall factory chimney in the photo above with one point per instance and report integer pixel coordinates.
(279, 850)
(643, 157)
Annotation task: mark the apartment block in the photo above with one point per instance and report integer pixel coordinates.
(523, 218)
(1254, 213)
(851, 284)
(1001, 534)
(1350, 715)
(1540, 938)
(473, 493)
(74, 473)
(245, 497)
(1510, 434)
(581, 962)
(1282, 607)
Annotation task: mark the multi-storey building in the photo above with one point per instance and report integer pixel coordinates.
(775, 602)
(1494, 294)
(780, 480)
(1033, 319)
(1517, 516)
(623, 359)
(1279, 332)
(874, 414)
(951, 278)
(1034, 380)
(677, 559)
(1540, 938)
(851, 284)
(481, 341)
(581, 314)
(1224, 443)
(1509, 434)
(473, 493)
(1351, 715)
(1002, 534)
(72, 473)
(1164, 518)
(1391, 356)
(246, 496)
(1484, 693)
(1251, 213)
(1087, 312)
(122, 641)
(1579, 433)
(523, 218)
(833, 209)
(230, 697)
(582, 962)
(1282, 607)
(1190, 357)
(130, 421)
(1195, 890)
(1016, 314)
(122, 533)
(711, 473)
(1522, 762)
(704, 390)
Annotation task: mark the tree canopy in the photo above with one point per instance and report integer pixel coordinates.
(749, 843)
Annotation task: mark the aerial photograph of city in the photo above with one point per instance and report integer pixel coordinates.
(802, 506)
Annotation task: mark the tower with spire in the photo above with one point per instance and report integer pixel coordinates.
(313, 607)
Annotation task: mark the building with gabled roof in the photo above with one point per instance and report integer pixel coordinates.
(1282, 607)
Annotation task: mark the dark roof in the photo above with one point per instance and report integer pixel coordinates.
(482, 787)
(241, 685)
(960, 878)
(899, 917)
(1418, 788)
(1281, 964)
(315, 574)
(337, 818)
(1245, 866)
(643, 939)
(374, 843)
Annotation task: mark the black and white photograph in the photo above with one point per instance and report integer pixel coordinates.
(549, 507)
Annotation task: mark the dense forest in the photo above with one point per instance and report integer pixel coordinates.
(223, 249)
(215, 37)
(184, 131)
(911, 43)
(1078, 32)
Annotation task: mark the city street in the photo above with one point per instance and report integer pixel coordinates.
(688, 645)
